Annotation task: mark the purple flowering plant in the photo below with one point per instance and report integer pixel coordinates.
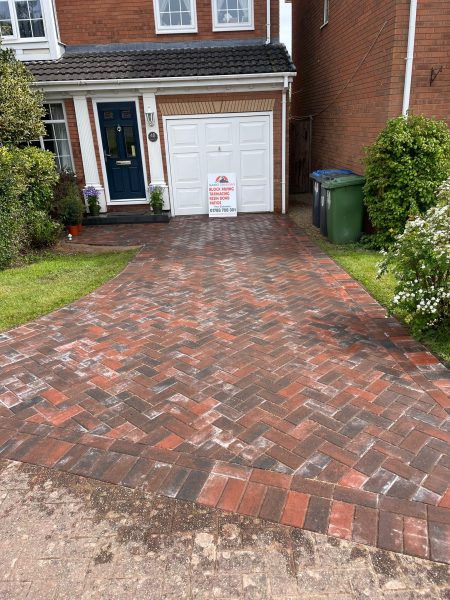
(90, 192)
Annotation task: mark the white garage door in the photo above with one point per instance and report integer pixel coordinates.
(231, 144)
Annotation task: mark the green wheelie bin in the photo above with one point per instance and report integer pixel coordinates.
(344, 199)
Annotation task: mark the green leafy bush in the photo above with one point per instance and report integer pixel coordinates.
(71, 208)
(27, 177)
(39, 172)
(420, 260)
(21, 104)
(41, 230)
(404, 166)
(67, 180)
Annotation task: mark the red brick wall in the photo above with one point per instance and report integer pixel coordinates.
(110, 21)
(432, 50)
(237, 96)
(346, 119)
(327, 58)
(74, 140)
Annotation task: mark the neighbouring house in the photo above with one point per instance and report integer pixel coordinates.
(161, 92)
(361, 62)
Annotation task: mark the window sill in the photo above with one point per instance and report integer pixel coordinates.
(22, 41)
(217, 28)
(175, 31)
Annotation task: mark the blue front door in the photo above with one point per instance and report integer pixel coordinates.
(122, 151)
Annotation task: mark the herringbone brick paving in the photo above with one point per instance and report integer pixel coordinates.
(233, 363)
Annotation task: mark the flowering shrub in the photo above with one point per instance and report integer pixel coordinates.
(420, 259)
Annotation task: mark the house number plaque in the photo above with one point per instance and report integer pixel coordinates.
(153, 136)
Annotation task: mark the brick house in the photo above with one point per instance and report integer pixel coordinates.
(161, 92)
(351, 77)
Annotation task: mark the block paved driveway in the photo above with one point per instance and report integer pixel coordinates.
(234, 364)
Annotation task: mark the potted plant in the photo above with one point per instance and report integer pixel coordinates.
(156, 199)
(71, 211)
(91, 196)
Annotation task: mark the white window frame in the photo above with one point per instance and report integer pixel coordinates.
(326, 12)
(15, 25)
(51, 121)
(233, 26)
(192, 28)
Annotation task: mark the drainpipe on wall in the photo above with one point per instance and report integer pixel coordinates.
(268, 22)
(409, 57)
(283, 147)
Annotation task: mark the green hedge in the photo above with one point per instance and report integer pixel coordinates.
(404, 167)
(27, 178)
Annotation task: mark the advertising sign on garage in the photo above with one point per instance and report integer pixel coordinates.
(222, 194)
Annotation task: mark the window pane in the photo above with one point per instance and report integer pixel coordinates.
(125, 114)
(38, 28)
(65, 163)
(112, 142)
(174, 6)
(186, 18)
(6, 28)
(165, 19)
(25, 29)
(4, 11)
(63, 148)
(22, 10)
(50, 145)
(176, 18)
(108, 115)
(35, 9)
(129, 142)
(60, 131)
(57, 112)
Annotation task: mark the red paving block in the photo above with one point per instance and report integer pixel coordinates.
(238, 409)
(231, 495)
(341, 519)
(252, 499)
(294, 512)
(415, 537)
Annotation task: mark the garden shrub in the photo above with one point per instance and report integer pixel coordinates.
(41, 230)
(71, 207)
(27, 176)
(420, 259)
(40, 174)
(21, 104)
(67, 180)
(404, 166)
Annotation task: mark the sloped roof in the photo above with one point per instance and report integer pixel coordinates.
(159, 63)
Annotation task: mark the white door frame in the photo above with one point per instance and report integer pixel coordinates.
(118, 99)
(168, 118)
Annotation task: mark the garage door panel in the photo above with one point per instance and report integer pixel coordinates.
(182, 136)
(219, 162)
(255, 132)
(187, 167)
(238, 144)
(253, 198)
(253, 164)
(218, 133)
(190, 201)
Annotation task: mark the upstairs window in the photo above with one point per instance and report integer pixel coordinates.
(175, 16)
(21, 19)
(233, 14)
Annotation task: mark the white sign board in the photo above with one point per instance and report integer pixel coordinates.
(222, 194)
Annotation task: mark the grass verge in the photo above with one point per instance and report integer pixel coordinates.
(52, 281)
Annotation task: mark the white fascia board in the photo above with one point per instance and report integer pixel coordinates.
(165, 83)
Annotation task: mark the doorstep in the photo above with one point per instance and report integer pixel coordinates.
(124, 218)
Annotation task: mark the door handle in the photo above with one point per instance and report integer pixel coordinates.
(123, 163)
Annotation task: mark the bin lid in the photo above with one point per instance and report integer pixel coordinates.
(346, 181)
(324, 174)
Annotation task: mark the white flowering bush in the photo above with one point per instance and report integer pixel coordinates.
(420, 260)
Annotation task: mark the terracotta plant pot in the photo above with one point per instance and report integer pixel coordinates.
(73, 229)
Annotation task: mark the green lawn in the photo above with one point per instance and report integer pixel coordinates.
(52, 281)
(362, 264)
